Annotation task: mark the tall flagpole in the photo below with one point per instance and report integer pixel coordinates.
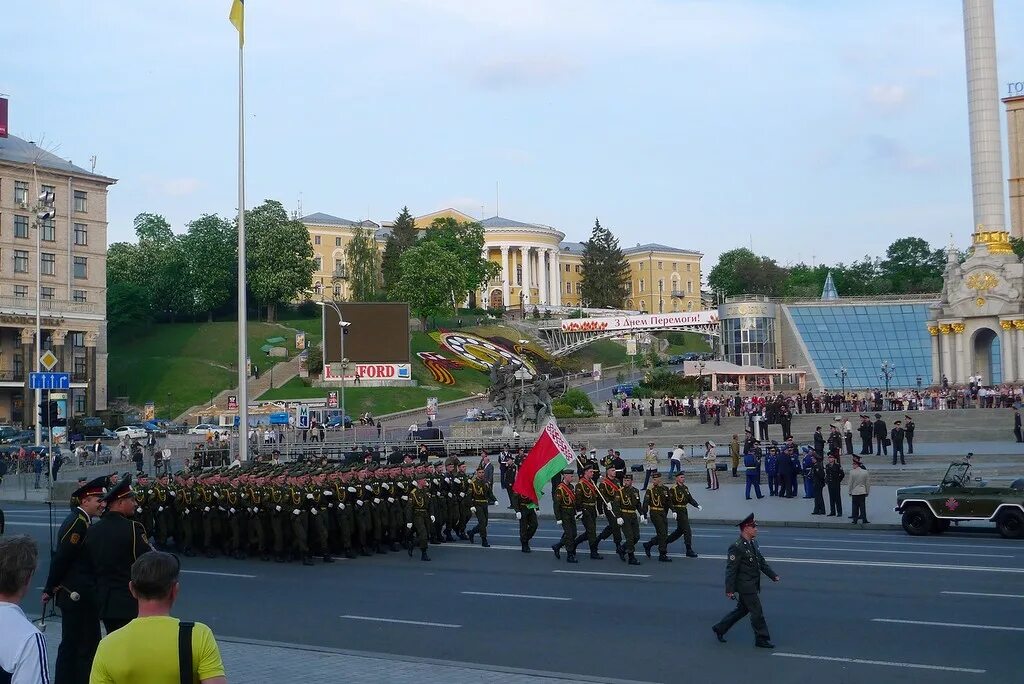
(243, 377)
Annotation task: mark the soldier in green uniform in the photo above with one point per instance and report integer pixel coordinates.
(299, 519)
(526, 514)
(456, 486)
(656, 508)
(465, 502)
(257, 514)
(418, 517)
(317, 514)
(587, 498)
(626, 507)
(279, 514)
(378, 513)
(235, 518)
(184, 508)
(608, 488)
(364, 523)
(565, 513)
(743, 581)
(482, 497)
(145, 504)
(346, 515)
(164, 512)
(679, 498)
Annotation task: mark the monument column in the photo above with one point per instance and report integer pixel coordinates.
(933, 332)
(1007, 340)
(947, 353)
(542, 275)
(963, 364)
(524, 257)
(57, 338)
(29, 363)
(504, 276)
(90, 371)
(556, 279)
(1018, 343)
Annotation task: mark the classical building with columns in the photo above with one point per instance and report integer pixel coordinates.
(538, 267)
(70, 265)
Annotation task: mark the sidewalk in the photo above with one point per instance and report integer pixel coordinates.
(247, 660)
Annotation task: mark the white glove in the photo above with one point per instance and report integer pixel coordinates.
(159, 509)
(448, 480)
(391, 499)
(359, 503)
(699, 507)
(462, 495)
(449, 495)
(579, 516)
(405, 498)
(150, 492)
(243, 495)
(619, 521)
(328, 492)
(231, 510)
(277, 508)
(519, 516)
(296, 511)
(341, 507)
(351, 489)
(672, 515)
(186, 511)
(643, 519)
(313, 511)
(435, 481)
(385, 486)
(206, 510)
(368, 488)
(408, 526)
(172, 493)
(472, 509)
(138, 510)
(216, 495)
(376, 500)
(401, 485)
(433, 519)
(309, 496)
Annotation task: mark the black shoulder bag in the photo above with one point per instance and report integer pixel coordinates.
(185, 651)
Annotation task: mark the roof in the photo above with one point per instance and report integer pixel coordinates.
(501, 222)
(656, 247)
(18, 151)
(323, 219)
(571, 247)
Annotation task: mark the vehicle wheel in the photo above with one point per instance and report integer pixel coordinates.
(917, 521)
(940, 526)
(1011, 525)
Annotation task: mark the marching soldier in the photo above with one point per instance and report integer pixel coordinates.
(608, 488)
(526, 514)
(626, 506)
(418, 517)
(587, 498)
(111, 546)
(299, 519)
(565, 512)
(70, 584)
(317, 514)
(743, 582)
(465, 501)
(481, 497)
(655, 507)
(679, 497)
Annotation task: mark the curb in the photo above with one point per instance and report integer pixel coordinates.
(731, 522)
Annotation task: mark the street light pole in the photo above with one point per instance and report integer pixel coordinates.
(342, 325)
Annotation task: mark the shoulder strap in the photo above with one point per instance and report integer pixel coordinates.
(185, 651)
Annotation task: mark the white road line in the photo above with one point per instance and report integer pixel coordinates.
(908, 542)
(978, 593)
(914, 553)
(604, 574)
(400, 622)
(522, 596)
(886, 663)
(997, 628)
(217, 574)
(22, 523)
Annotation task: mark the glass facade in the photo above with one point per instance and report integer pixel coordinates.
(749, 341)
(862, 337)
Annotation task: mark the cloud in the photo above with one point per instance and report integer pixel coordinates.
(174, 187)
(893, 154)
(887, 97)
(528, 70)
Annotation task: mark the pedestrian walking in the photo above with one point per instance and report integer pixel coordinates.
(743, 584)
(675, 461)
(37, 468)
(859, 487)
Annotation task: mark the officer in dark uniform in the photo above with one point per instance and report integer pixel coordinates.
(112, 546)
(743, 582)
(70, 583)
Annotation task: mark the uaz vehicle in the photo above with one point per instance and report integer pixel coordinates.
(931, 508)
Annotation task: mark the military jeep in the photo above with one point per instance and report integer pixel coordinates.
(930, 509)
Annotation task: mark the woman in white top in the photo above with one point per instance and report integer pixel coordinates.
(711, 464)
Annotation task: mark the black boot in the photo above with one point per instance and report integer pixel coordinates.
(472, 534)
(621, 552)
(381, 550)
(664, 558)
(690, 553)
(556, 548)
(307, 560)
(448, 536)
(410, 549)
(363, 551)
(349, 554)
(526, 548)
(595, 555)
(633, 560)
(483, 542)
(571, 557)
(424, 556)
(394, 546)
(647, 548)
(328, 558)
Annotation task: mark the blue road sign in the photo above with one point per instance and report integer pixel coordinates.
(49, 381)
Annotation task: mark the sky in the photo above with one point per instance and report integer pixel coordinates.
(811, 131)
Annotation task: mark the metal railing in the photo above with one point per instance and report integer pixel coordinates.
(49, 307)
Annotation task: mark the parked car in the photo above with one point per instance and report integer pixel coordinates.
(625, 388)
(676, 359)
(691, 356)
(932, 508)
(7, 433)
(130, 431)
(334, 422)
(155, 427)
(203, 428)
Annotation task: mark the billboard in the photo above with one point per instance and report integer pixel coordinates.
(378, 335)
(609, 323)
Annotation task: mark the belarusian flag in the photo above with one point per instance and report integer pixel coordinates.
(548, 457)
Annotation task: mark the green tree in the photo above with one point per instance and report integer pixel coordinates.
(432, 280)
(279, 257)
(129, 311)
(740, 271)
(152, 228)
(363, 262)
(911, 265)
(210, 250)
(465, 242)
(723, 278)
(403, 236)
(605, 271)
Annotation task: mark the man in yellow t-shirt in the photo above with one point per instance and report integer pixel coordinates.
(146, 649)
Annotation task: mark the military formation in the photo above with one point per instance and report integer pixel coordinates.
(303, 511)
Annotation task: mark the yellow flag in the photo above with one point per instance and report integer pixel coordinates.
(237, 17)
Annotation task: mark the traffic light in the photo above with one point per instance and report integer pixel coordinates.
(54, 420)
(48, 210)
(44, 412)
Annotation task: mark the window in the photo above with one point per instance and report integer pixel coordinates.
(81, 234)
(20, 261)
(688, 267)
(339, 267)
(579, 288)
(568, 268)
(21, 192)
(568, 288)
(659, 265)
(337, 242)
(319, 260)
(316, 239)
(21, 226)
(48, 263)
(80, 200)
(49, 231)
(661, 285)
(21, 290)
(337, 291)
(674, 269)
(519, 275)
(46, 293)
(78, 339)
(578, 268)
(629, 288)
(80, 401)
(689, 287)
(78, 296)
(641, 265)
(642, 285)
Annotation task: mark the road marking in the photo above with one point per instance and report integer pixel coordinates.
(22, 523)
(886, 663)
(217, 574)
(400, 622)
(903, 543)
(997, 628)
(522, 596)
(978, 593)
(605, 574)
(915, 553)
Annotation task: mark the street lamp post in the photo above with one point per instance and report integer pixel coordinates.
(841, 374)
(700, 377)
(342, 327)
(888, 371)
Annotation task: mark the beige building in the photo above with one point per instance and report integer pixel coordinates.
(70, 265)
(538, 268)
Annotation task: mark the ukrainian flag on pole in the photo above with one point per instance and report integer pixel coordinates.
(237, 17)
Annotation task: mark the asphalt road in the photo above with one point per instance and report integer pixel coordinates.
(851, 607)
